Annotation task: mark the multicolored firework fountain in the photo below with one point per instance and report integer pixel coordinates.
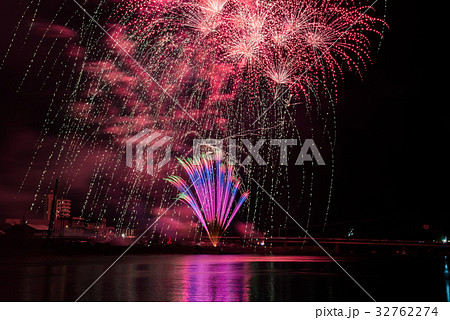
(215, 188)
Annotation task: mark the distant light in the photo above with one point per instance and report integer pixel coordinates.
(351, 232)
(444, 239)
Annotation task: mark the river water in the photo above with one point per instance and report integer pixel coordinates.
(223, 278)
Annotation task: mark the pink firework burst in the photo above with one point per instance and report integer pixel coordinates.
(297, 43)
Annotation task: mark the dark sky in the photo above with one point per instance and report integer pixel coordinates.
(391, 169)
(393, 129)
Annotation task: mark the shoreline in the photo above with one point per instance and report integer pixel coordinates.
(55, 248)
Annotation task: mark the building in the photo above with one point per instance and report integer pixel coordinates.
(78, 223)
(99, 228)
(23, 221)
(128, 232)
(63, 207)
(96, 226)
(64, 225)
(62, 213)
(27, 230)
(109, 232)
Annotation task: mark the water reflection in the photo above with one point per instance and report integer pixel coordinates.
(447, 279)
(220, 278)
(206, 280)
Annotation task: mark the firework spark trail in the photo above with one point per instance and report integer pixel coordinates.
(126, 52)
(215, 191)
(291, 34)
(282, 42)
(329, 39)
(223, 60)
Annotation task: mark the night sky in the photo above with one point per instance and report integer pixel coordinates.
(391, 129)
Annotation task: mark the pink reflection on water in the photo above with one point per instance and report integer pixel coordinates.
(224, 278)
(206, 278)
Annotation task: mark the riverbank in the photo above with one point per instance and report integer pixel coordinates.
(61, 247)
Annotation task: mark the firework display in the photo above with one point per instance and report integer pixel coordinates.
(295, 43)
(215, 189)
(221, 150)
(189, 69)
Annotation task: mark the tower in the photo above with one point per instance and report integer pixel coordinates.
(48, 206)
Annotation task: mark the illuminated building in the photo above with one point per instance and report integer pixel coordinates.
(63, 207)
